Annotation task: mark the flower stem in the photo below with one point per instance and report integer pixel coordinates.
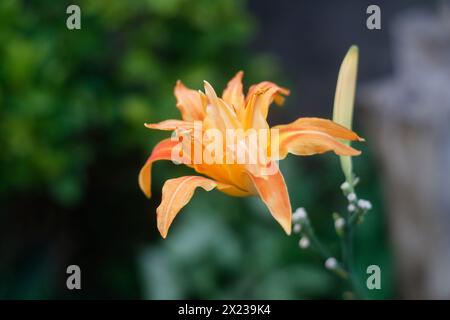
(323, 251)
(351, 219)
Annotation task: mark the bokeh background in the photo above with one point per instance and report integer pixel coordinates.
(72, 141)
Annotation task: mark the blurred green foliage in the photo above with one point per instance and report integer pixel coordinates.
(62, 89)
(72, 108)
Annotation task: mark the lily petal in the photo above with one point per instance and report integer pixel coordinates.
(233, 94)
(258, 101)
(162, 151)
(176, 193)
(170, 125)
(309, 142)
(273, 192)
(322, 125)
(220, 113)
(189, 102)
(276, 95)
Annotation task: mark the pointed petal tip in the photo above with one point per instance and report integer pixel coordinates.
(207, 86)
(285, 91)
(147, 193)
(288, 230)
(354, 48)
(163, 232)
(179, 84)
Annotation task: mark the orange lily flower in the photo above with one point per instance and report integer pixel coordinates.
(305, 136)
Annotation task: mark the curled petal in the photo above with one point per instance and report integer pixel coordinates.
(162, 151)
(309, 142)
(189, 102)
(258, 100)
(176, 193)
(322, 125)
(273, 192)
(171, 125)
(253, 116)
(276, 95)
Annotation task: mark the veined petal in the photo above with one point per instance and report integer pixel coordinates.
(259, 98)
(162, 151)
(189, 102)
(322, 125)
(233, 94)
(253, 116)
(276, 91)
(176, 193)
(220, 113)
(273, 192)
(170, 125)
(309, 142)
(232, 175)
(232, 190)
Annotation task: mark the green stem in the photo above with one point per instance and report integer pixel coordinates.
(322, 250)
(347, 254)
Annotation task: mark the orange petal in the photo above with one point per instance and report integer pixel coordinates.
(171, 125)
(253, 116)
(162, 151)
(189, 102)
(322, 125)
(176, 193)
(219, 113)
(232, 175)
(232, 190)
(233, 94)
(258, 100)
(277, 92)
(309, 142)
(273, 191)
